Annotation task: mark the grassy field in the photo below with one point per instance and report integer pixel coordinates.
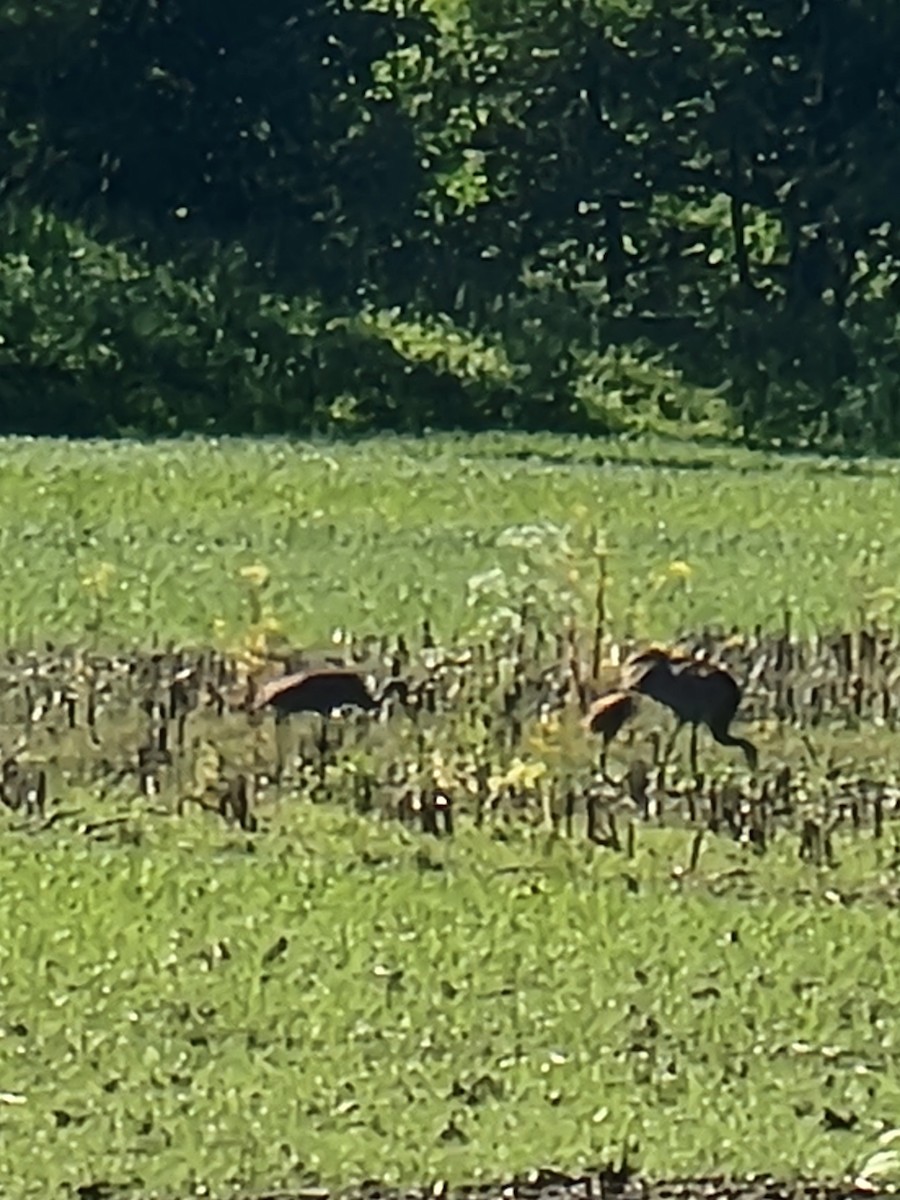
(193, 1009)
(151, 540)
(347, 1002)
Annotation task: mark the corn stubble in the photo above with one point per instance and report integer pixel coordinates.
(518, 728)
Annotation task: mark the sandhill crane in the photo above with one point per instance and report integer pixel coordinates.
(321, 691)
(697, 693)
(606, 715)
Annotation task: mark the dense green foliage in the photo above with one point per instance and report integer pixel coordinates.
(349, 214)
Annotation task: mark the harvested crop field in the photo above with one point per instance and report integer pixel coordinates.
(618, 1184)
(435, 944)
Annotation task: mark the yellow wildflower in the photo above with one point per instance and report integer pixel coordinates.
(99, 579)
(679, 569)
(257, 575)
(518, 774)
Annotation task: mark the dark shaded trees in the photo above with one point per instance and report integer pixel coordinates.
(569, 215)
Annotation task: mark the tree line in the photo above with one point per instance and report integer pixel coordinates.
(346, 215)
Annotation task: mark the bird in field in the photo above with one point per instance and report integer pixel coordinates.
(321, 691)
(697, 693)
(606, 715)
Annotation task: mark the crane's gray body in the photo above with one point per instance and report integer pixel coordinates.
(697, 693)
(321, 692)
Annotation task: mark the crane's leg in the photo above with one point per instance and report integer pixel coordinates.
(282, 735)
(694, 768)
(322, 747)
(666, 755)
(670, 744)
(604, 751)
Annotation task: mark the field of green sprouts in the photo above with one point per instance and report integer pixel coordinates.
(194, 1003)
(112, 541)
(336, 1002)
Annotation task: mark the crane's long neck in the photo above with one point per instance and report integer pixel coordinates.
(724, 738)
(393, 687)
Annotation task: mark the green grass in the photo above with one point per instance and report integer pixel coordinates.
(379, 533)
(454, 1009)
(438, 1010)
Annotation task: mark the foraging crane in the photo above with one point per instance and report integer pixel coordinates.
(697, 693)
(606, 715)
(322, 690)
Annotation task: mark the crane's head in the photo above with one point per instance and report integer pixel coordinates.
(395, 687)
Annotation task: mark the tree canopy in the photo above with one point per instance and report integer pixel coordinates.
(361, 214)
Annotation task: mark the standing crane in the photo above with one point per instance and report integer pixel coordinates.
(318, 690)
(697, 693)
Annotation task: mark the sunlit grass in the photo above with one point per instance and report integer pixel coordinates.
(114, 541)
(347, 1002)
(333, 999)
